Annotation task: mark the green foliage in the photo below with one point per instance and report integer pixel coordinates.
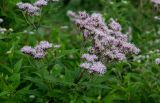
(54, 78)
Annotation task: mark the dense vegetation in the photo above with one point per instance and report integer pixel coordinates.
(58, 78)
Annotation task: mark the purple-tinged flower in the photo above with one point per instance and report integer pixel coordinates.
(156, 1)
(54, 0)
(29, 8)
(98, 67)
(86, 33)
(108, 41)
(85, 65)
(28, 50)
(39, 54)
(89, 57)
(44, 45)
(92, 65)
(21, 6)
(83, 15)
(115, 25)
(157, 61)
(72, 15)
(120, 56)
(40, 3)
(33, 10)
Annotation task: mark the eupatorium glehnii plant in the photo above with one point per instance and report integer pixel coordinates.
(32, 9)
(108, 41)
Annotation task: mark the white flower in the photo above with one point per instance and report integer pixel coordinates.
(1, 20)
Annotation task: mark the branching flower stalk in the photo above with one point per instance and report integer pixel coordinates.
(32, 10)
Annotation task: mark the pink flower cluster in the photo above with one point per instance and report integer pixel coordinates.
(157, 2)
(37, 52)
(40, 3)
(109, 42)
(29, 8)
(32, 9)
(92, 65)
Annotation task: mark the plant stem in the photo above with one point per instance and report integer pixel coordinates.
(80, 77)
(26, 19)
(40, 17)
(28, 22)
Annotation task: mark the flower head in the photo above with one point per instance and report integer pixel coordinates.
(40, 3)
(38, 52)
(92, 65)
(89, 57)
(98, 67)
(29, 8)
(44, 45)
(85, 65)
(156, 1)
(115, 25)
(28, 50)
(157, 61)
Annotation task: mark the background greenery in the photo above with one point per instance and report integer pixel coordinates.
(52, 80)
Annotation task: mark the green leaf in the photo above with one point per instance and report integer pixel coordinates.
(15, 79)
(18, 66)
(3, 93)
